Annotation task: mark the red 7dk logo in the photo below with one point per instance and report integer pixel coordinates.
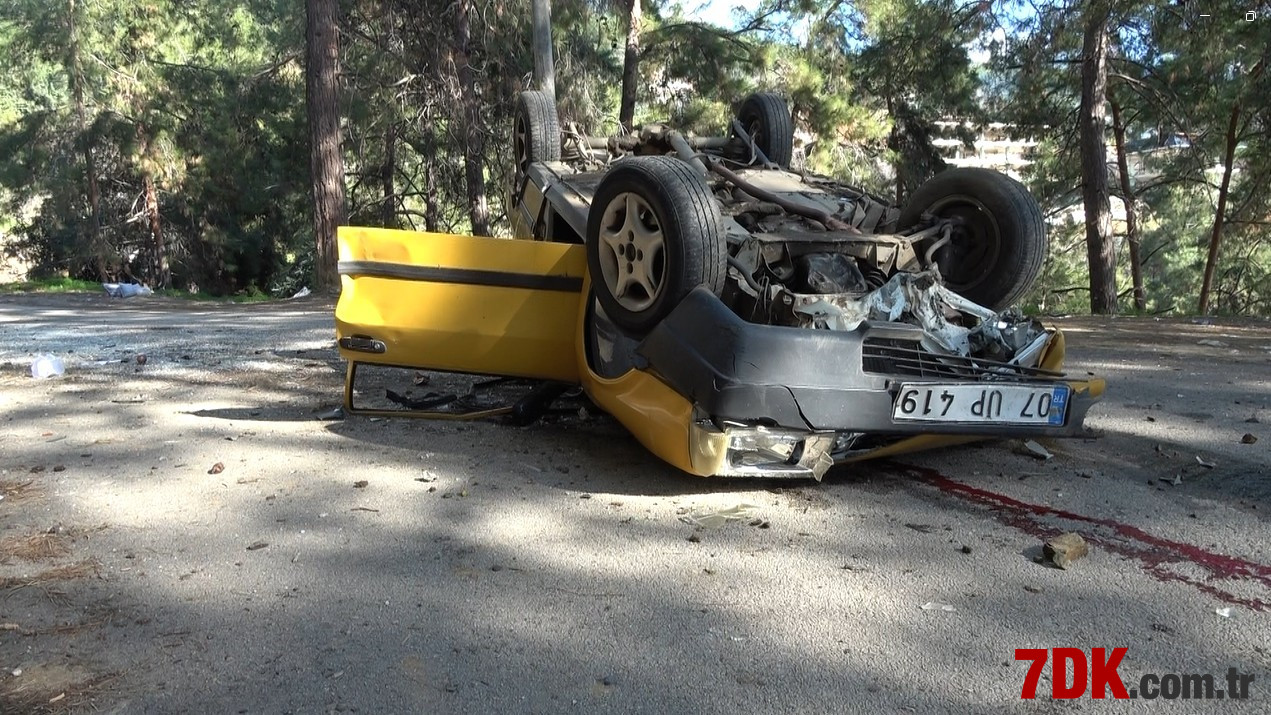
(1101, 671)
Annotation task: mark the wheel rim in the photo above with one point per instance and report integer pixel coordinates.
(521, 143)
(632, 252)
(755, 128)
(973, 254)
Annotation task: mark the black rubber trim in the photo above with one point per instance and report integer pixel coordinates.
(462, 276)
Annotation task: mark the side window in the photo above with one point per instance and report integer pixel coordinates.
(559, 230)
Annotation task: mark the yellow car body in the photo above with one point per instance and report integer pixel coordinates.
(520, 308)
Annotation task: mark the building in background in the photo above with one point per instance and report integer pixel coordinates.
(994, 148)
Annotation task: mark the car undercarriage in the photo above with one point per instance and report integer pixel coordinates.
(739, 317)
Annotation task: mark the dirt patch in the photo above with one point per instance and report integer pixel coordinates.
(35, 547)
(16, 492)
(70, 572)
(51, 688)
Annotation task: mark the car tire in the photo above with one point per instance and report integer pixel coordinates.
(654, 233)
(535, 130)
(767, 119)
(1000, 242)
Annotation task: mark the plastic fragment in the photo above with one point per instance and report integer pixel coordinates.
(1037, 450)
(46, 366)
(126, 290)
(714, 518)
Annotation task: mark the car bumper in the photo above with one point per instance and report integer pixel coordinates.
(793, 397)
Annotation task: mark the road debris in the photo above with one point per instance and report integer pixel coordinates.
(934, 606)
(45, 366)
(217, 468)
(331, 415)
(1203, 463)
(360, 484)
(126, 290)
(257, 546)
(708, 518)
(1209, 342)
(1033, 449)
(1065, 549)
(1225, 612)
(1248, 438)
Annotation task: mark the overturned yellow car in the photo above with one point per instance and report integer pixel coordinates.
(737, 318)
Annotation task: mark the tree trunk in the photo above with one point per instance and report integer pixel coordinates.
(160, 276)
(432, 199)
(544, 63)
(322, 77)
(1131, 208)
(893, 142)
(90, 162)
(1215, 237)
(432, 205)
(630, 66)
(474, 137)
(1100, 248)
(388, 171)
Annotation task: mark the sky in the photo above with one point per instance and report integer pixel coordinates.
(716, 12)
(720, 12)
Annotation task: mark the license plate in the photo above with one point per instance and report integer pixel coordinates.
(989, 404)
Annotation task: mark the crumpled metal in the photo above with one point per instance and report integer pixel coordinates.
(921, 299)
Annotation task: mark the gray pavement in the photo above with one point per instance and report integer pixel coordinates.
(488, 568)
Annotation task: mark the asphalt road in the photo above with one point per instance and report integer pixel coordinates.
(183, 534)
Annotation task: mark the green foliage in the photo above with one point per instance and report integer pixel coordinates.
(206, 102)
(190, 98)
(50, 285)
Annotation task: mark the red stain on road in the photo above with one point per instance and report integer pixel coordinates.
(1156, 554)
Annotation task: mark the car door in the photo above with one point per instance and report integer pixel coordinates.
(459, 303)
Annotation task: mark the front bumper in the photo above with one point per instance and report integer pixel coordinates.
(812, 381)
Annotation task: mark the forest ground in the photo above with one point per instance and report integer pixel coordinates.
(184, 534)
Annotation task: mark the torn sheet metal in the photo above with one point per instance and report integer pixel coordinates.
(921, 299)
